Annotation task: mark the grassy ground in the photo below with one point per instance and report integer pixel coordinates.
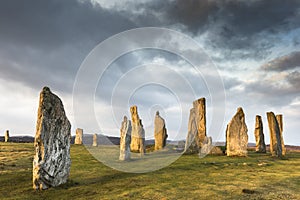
(214, 177)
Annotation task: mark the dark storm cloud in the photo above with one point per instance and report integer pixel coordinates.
(283, 63)
(239, 18)
(44, 42)
(49, 24)
(239, 29)
(235, 28)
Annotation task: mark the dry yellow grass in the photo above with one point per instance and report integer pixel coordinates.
(214, 177)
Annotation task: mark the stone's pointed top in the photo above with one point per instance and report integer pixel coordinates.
(240, 109)
(199, 101)
(133, 109)
(46, 89)
(125, 118)
(157, 112)
(258, 116)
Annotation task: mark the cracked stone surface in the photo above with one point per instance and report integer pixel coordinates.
(52, 162)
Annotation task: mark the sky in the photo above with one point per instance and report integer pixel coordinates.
(251, 48)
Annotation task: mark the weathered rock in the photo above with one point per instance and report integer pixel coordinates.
(196, 126)
(237, 135)
(95, 140)
(209, 149)
(206, 146)
(190, 143)
(160, 132)
(51, 164)
(280, 124)
(6, 136)
(259, 135)
(137, 133)
(200, 117)
(216, 151)
(79, 135)
(275, 139)
(125, 139)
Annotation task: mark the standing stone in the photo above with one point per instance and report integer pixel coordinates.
(6, 136)
(95, 140)
(200, 116)
(275, 139)
(160, 132)
(137, 133)
(236, 135)
(51, 163)
(196, 126)
(259, 135)
(125, 139)
(190, 144)
(79, 135)
(280, 124)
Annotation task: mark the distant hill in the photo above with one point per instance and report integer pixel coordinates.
(108, 140)
(19, 139)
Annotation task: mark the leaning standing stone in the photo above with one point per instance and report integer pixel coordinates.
(160, 132)
(259, 135)
(6, 136)
(95, 140)
(51, 163)
(125, 139)
(79, 135)
(236, 135)
(275, 139)
(137, 133)
(280, 124)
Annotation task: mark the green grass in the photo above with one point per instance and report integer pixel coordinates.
(213, 177)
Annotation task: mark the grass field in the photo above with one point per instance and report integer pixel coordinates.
(214, 177)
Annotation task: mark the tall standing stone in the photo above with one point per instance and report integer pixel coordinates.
(200, 116)
(190, 143)
(51, 163)
(196, 127)
(275, 139)
(259, 135)
(237, 135)
(6, 136)
(280, 124)
(125, 139)
(79, 135)
(160, 132)
(137, 133)
(95, 140)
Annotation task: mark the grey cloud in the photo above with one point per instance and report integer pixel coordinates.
(294, 79)
(273, 93)
(44, 42)
(283, 63)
